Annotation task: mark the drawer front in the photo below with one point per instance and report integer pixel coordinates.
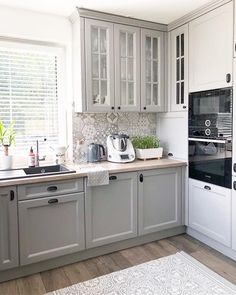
(47, 189)
(51, 227)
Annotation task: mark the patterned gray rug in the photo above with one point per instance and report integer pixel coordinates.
(175, 274)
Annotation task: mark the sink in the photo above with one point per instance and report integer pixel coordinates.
(47, 170)
(34, 171)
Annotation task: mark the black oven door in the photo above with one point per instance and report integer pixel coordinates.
(211, 161)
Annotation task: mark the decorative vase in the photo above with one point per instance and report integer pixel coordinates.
(144, 154)
(6, 162)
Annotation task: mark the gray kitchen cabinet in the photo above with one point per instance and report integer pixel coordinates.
(178, 67)
(8, 228)
(127, 68)
(50, 227)
(111, 210)
(152, 71)
(159, 200)
(99, 66)
(210, 49)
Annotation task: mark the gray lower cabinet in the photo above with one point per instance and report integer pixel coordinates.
(50, 227)
(159, 200)
(111, 210)
(8, 228)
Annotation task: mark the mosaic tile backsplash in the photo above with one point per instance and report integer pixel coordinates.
(88, 128)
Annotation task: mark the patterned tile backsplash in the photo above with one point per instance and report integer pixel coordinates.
(88, 128)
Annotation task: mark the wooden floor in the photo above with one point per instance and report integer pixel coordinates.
(65, 276)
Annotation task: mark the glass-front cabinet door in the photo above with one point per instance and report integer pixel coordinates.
(99, 66)
(152, 71)
(179, 69)
(127, 65)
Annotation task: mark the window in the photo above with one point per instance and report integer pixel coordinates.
(30, 94)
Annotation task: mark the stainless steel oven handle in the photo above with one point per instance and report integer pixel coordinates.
(208, 140)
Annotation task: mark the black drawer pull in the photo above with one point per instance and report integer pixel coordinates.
(184, 107)
(12, 195)
(113, 177)
(234, 167)
(170, 155)
(141, 177)
(207, 187)
(228, 78)
(235, 185)
(52, 201)
(52, 188)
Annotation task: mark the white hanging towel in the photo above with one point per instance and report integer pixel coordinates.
(98, 176)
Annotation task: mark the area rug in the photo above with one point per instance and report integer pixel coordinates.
(175, 274)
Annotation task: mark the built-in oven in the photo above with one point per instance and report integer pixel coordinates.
(210, 136)
(211, 161)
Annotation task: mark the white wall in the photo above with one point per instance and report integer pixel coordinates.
(47, 29)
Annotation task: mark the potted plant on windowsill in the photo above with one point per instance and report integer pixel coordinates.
(7, 138)
(147, 147)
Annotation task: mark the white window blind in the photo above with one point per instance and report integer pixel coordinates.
(29, 95)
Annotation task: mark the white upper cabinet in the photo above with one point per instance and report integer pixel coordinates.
(99, 62)
(210, 49)
(127, 68)
(152, 71)
(178, 67)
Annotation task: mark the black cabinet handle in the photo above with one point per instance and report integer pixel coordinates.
(112, 108)
(52, 201)
(119, 108)
(234, 185)
(207, 187)
(228, 77)
(12, 195)
(144, 108)
(141, 177)
(184, 107)
(234, 167)
(52, 188)
(113, 177)
(170, 155)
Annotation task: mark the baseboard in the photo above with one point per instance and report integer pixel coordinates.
(26, 270)
(212, 243)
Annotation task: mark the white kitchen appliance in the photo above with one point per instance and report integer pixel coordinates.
(120, 148)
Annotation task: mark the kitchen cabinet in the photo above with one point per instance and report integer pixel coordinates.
(178, 67)
(51, 227)
(127, 68)
(159, 200)
(210, 210)
(111, 210)
(152, 71)
(210, 49)
(8, 228)
(234, 214)
(99, 66)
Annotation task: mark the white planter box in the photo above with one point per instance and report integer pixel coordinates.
(144, 154)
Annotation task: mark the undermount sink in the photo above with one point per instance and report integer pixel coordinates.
(46, 170)
(34, 171)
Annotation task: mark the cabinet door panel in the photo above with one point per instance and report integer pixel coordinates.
(127, 68)
(210, 49)
(99, 65)
(178, 93)
(234, 214)
(160, 200)
(210, 210)
(51, 227)
(111, 211)
(152, 71)
(8, 229)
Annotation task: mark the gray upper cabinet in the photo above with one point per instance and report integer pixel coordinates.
(159, 200)
(8, 228)
(127, 68)
(111, 210)
(178, 68)
(152, 71)
(50, 227)
(210, 49)
(99, 66)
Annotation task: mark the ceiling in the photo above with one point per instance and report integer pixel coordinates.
(162, 11)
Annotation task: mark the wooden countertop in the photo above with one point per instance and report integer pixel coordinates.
(82, 170)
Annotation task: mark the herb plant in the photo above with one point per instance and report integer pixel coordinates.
(146, 142)
(7, 136)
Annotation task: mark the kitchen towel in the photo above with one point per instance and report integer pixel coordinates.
(98, 176)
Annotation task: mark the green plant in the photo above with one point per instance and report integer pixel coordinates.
(145, 142)
(7, 136)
